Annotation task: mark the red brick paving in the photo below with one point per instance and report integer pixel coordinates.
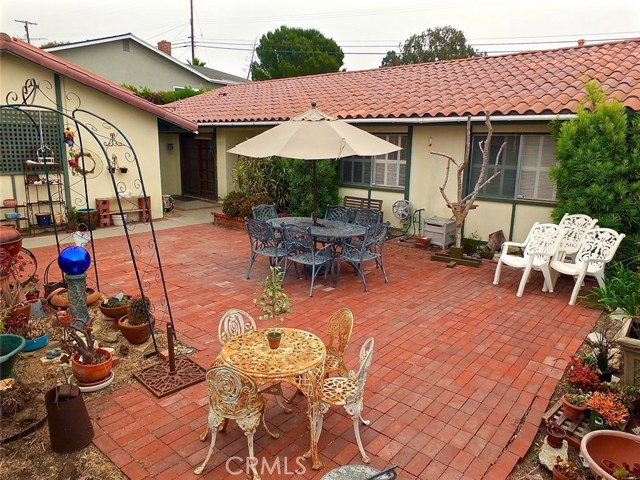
(462, 371)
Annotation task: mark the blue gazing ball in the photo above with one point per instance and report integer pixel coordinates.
(74, 260)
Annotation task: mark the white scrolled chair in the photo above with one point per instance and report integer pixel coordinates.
(598, 248)
(575, 228)
(349, 392)
(541, 244)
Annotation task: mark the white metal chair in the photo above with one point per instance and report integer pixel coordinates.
(233, 323)
(541, 244)
(349, 392)
(598, 248)
(575, 228)
(234, 396)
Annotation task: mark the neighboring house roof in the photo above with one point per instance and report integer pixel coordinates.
(208, 74)
(530, 83)
(63, 67)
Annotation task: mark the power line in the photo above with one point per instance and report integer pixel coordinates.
(26, 27)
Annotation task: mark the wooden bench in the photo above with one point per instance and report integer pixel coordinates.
(361, 202)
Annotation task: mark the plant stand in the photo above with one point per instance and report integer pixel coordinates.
(629, 343)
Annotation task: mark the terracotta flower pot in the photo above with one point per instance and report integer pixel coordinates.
(10, 239)
(9, 202)
(57, 300)
(572, 412)
(91, 373)
(114, 312)
(557, 475)
(135, 334)
(274, 340)
(555, 436)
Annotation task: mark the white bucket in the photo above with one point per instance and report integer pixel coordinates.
(116, 218)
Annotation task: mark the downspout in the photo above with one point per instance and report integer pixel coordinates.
(65, 172)
(407, 171)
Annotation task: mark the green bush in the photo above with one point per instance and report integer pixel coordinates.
(621, 290)
(238, 204)
(300, 194)
(164, 97)
(598, 172)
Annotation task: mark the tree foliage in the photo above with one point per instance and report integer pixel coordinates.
(293, 52)
(53, 44)
(432, 45)
(598, 172)
(163, 97)
(196, 62)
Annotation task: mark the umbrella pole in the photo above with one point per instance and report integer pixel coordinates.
(314, 215)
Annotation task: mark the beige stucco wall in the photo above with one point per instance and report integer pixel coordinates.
(139, 66)
(170, 164)
(139, 127)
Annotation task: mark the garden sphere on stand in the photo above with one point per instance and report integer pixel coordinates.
(74, 262)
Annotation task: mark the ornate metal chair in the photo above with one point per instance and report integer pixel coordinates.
(598, 248)
(300, 243)
(264, 211)
(575, 228)
(233, 323)
(349, 392)
(264, 242)
(339, 328)
(338, 213)
(542, 243)
(366, 217)
(371, 248)
(234, 396)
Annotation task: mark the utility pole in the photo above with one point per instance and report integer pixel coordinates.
(193, 47)
(26, 28)
(253, 52)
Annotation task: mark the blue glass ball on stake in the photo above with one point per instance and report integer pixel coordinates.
(74, 260)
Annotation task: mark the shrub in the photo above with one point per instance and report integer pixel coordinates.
(164, 97)
(238, 204)
(582, 377)
(621, 290)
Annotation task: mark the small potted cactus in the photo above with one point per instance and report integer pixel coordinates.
(134, 326)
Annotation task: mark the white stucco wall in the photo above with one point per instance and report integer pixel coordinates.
(139, 127)
(170, 164)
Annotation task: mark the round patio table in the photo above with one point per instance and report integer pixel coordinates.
(299, 360)
(330, 229)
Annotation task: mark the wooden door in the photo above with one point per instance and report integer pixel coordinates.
(198, 168)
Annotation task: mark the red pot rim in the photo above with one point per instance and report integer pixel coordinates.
(102, 350)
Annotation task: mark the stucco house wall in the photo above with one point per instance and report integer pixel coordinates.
(139, 126)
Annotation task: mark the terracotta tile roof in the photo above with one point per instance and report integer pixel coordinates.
(79, 74)
(542, 82)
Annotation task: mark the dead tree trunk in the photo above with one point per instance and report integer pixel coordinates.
(462, 205)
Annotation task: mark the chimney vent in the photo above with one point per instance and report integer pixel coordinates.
(580, 43)
(165, 46)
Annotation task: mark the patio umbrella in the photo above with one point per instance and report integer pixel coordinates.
(313, 136)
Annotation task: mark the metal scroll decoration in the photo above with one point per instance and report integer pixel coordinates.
(96, 151)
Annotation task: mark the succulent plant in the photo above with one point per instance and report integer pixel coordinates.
(138, 308)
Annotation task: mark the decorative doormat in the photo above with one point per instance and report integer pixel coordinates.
(161, 383)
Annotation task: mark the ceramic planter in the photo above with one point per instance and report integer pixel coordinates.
(571, 411)
(557, 475)
(628, 340)
(10, 239)
(91, 373)
(555, 436)
(55, 298)
(274, 340)
(115, 312)
(135, 334)
(36, 343)
(613, 446)
(10, 346)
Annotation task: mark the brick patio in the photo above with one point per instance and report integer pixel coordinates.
(462, 370)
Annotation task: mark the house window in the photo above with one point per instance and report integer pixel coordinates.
(524, 167)
(388, 170)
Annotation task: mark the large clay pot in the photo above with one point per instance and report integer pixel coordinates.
(10, 346)
(91, 373)
(617, 447)
(115, 312)
(135, 334)
(10, 239)
(55, 299)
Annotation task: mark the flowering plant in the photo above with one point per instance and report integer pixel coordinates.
(273, 302)
(11, 288)
(578, 398)
(581, 376)
(568, 469)
(610, 408)
(29, 328)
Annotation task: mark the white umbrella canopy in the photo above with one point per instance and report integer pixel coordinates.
(314, 136)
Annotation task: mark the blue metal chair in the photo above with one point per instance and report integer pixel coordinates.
(366, 217)
(338, 213)
(264, 211)
(302, 248)
(371, 248)
(264, 242)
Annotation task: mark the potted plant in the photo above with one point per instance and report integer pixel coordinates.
(626, 472)
(60, 297)
(602, 347)
(607, 411)
(89, 364)
(12, 292)
(274, 304)
(134, 326)
(575, 404)
(32, 329)
(116, 306)
(32, 293)
(583, 376)
(555, 434)
(564, 471)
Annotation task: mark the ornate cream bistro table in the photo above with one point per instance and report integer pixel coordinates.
(299, 360)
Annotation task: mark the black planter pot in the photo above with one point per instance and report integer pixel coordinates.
(605, 376)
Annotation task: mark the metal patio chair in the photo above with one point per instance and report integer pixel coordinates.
(339, 329)
(339, 213)
(263, 242)
(371, 248)
(366, 217)
(264, 211)
(541, 244)
(349, 393)
(301, 245)
(597, 249)
(234, 396)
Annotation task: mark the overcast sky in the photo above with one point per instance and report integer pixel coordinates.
(225, 32)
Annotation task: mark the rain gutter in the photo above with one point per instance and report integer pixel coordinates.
(412, 120)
